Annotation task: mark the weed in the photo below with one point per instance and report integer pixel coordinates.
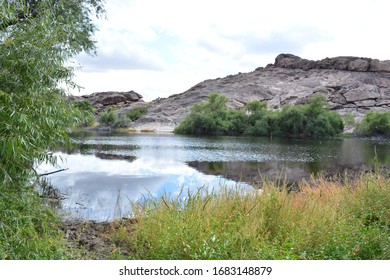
(326, 221)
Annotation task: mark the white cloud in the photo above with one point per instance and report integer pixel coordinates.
(159, 48)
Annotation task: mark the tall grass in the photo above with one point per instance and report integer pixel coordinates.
(28, 229)
(330, 220)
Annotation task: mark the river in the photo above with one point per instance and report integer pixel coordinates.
(105, 172)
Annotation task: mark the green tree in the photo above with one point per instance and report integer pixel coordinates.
(375, 123)
(87, 112)
(108, 117)
(207, 118)
(136, 113)
(321, 121)
(293, 121)
(314, 119)
(261, 121)
(37, 40)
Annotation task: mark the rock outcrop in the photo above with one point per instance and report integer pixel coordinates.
(350, 63)
(350, 84)
(101, 100)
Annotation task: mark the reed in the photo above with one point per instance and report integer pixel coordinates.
(324, 220)
(28, 228)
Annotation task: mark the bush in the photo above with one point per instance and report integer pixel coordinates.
(293, 121)
(108, 118)
(209, 118)
(259, 121)
(213, 118)
(321, 122)
(348, 119)
(87, 112)
(375, 124)
(136, 113)
(121, 122)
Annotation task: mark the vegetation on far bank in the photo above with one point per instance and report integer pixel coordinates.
(213, 117)
(111, 118)
(311, 120)
(375, 124)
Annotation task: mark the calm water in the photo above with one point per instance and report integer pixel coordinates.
(108, 171)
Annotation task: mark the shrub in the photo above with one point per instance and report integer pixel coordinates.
(292, 121)
(108, 118)
(236, 122)
(121, 122)
(207, 118)
(375, 123)
(313, 120)
(213, 118)
(321, 122)
(257, 124)
(136, 113)
(87, 112)
(348, 119)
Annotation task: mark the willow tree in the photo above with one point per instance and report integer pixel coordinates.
(37, 40)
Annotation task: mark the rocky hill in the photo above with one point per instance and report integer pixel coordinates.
(351, 85)
(102, 100)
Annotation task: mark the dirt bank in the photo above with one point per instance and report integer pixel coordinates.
(96, 240)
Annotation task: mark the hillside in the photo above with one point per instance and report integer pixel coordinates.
(351, 85)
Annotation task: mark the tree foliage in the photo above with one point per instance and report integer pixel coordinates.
(313, 119)
(87, 112)
(375, 124)
(108, 117)
(37, 40)
(213, 118)
(136, 113)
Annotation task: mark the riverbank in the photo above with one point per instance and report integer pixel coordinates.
(327, 220)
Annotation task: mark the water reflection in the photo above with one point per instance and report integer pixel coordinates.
(101, 189)
(301, 159)
(107, 171)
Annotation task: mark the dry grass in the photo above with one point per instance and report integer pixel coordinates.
(327, 220)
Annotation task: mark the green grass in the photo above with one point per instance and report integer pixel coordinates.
(341, 219)
(330, 220)
(28, 229)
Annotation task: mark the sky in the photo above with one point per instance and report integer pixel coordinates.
(160, 48)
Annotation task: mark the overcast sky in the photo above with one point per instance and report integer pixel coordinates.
(160, 48)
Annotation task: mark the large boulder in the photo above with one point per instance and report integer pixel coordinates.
(112, 99)
(359, 65)
(380, 66)
(101, 100)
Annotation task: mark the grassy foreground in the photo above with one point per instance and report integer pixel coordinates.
(325, 220)
(330, 220)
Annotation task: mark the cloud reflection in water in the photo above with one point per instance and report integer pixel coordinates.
(100, 189)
